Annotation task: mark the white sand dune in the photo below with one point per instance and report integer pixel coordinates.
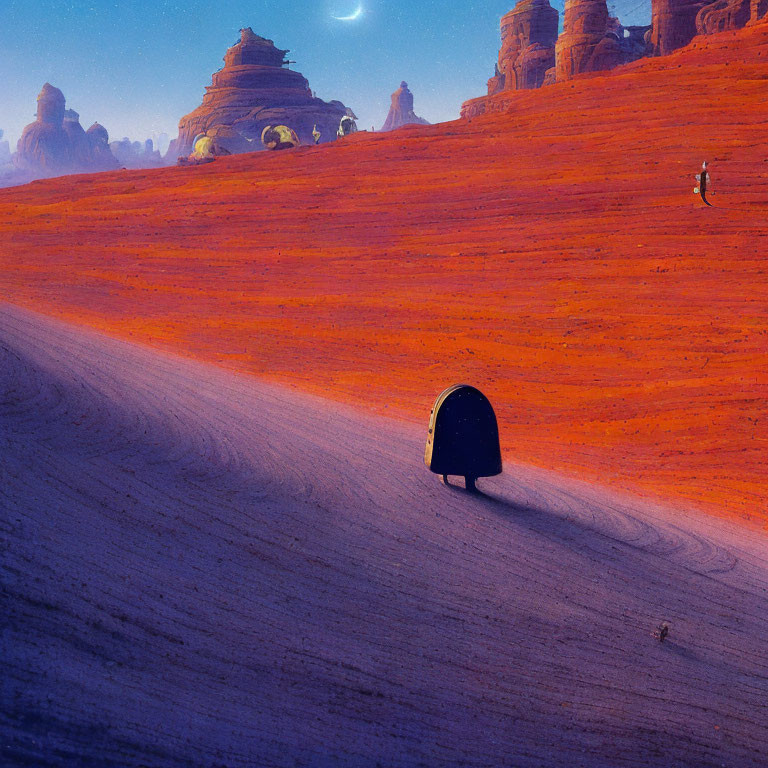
(200, 569)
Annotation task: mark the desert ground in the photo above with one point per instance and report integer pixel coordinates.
(553, 254)
(203, 569)
(220, 545)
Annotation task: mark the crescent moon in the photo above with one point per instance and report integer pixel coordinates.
(356, 14)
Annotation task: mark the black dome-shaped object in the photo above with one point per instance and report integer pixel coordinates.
(463, 435)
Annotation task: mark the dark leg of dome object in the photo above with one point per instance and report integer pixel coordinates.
(469, 484)
(445, 480)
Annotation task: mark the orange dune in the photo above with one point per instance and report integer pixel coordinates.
(551, 253)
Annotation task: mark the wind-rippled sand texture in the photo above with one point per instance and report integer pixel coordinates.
(553, 255)
(200, 569)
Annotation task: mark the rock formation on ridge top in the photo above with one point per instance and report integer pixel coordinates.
(673, 24)
(757, 10)
(532, 54)
(594, 41)
(255, 89)
(401, 110)
(584, 25)
(677, 22)
(528, 35)
(722, 15)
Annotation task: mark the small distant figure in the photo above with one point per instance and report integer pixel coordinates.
(204, 150)
(347, 126)
(316, 134)
(662, 631)
(704, 183)
(279, 137)
(463, 436)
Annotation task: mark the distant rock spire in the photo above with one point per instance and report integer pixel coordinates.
(401, 111)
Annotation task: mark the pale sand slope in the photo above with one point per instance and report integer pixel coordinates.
(200, 569)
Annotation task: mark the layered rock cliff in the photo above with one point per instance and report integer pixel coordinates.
(585, 23)
(594, 41)
(255, 89)
(722, 15)
(528, 35)
(673, 24)
(757, 10)
(532, 55)
(677, 22)
(401, 110)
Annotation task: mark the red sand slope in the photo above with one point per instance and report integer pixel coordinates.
(204, 570)
(554, 256)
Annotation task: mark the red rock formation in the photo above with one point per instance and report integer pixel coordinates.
(550, 77)
(253, 90)
(528, 34)
(593, 41)
(607, 54)
(532, 64)
(496, 83)
(401, 110)
(757, 10)
(677, 22)
(584, 25)
(673, 24)
(722, 15)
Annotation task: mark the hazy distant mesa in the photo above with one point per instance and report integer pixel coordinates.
(55, 144)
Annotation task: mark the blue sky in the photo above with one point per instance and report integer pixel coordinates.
(137, 67)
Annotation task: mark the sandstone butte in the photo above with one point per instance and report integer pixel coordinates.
(552, 254)
(255, 89)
